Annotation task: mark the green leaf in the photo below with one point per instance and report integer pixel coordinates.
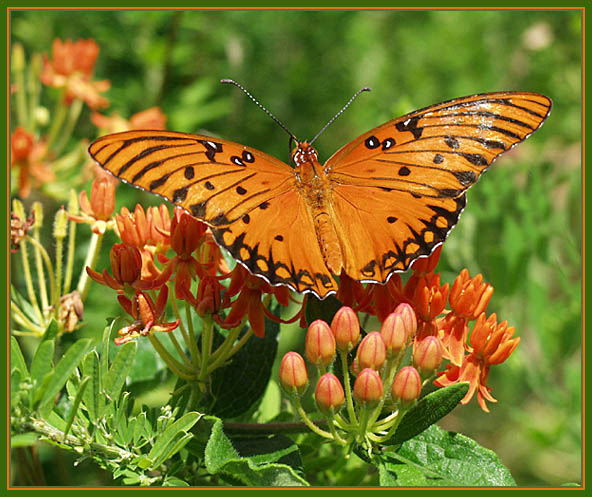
(170, 437)
(23, 440)
(17, 360)
(52, 330)
(43, 360)
(441, 458)
(237, 387)
(427, 411)
(92, 398)
(62, 372)
(119, 370)
(222, 458)
(75, 405)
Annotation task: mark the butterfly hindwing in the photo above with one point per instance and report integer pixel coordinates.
(277, 240)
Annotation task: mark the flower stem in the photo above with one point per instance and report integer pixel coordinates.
(175, 366)
(59, 116)
(307, 420)
(91, 261)
(40, 271)
(73, 114)
(54, 294)
(206, 346)
(348, 392)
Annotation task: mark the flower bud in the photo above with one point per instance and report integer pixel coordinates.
(393, 333)
(293, 375)
(320, 343)
(427, 354)
(346, 328)
(409, 318)
(407, 385)
(368, 387)
(329, 393)
(126, 263)
(372, 351)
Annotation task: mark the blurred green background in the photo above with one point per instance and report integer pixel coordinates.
(523, 224)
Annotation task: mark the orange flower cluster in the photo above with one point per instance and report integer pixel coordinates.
(442, 333)
(71, 68)
(28, 154)
(140, 266)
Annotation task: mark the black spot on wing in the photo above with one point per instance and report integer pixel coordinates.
(411, 126)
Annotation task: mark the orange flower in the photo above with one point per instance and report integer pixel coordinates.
(27, 155)
(491, 344)
(97, 212)
(151, 118)
(71, 68)
(429, 297)
(209, 296)
(126, 265)
(147, 315)
(187, 233)
(469, 296)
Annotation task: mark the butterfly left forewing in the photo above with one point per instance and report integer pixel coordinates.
(215, 180)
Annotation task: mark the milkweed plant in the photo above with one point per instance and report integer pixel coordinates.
(375, 366)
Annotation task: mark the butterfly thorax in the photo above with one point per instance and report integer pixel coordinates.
(316, 189)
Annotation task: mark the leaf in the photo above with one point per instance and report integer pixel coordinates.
(222, 458)
(427, 411)
(62, 372)
(17, 360)
(92, 398)
(119, 370)
(237, 387)
(75, 405)
(171, 436)
(23, 440)
(440, 458)
(43, 360)
(52, 330)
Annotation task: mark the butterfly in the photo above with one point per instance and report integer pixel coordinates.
(382, 201)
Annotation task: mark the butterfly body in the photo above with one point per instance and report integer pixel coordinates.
(385, 199)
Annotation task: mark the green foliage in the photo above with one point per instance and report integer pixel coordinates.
(440, 458)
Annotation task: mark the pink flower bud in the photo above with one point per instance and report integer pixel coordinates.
(293, 375)
(320, 343)
(407, 385)
(393, 333)
(372, 351)
(409, 318)
(329, 393)
(427, 354)
(346, 328)
(368, 387)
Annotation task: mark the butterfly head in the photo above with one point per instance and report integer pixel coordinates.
(304, 153)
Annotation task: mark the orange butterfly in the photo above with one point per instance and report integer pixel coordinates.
(383, 200)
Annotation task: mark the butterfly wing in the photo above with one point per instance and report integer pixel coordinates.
(249, 198)
(400, 188)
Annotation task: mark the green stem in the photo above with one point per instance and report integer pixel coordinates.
(307, 420)
(190, 340)
(70, 261)
(175, 366)
(58, 275)
(336, 436)
(221, 354)
(73, 115)
(21, 318)
(348, 391)
(52, 290)
(91, 261)
(185, 360)
(19, 79)
(40, 271)
(239, 345)
(34, 86)
(206, 346)
(59, 116)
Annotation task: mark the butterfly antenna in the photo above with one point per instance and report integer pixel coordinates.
(339, 113)
(281, 125)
